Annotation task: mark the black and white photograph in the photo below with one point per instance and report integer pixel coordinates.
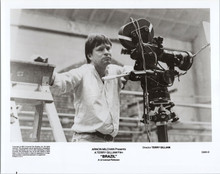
(83, 46)
(102, 85)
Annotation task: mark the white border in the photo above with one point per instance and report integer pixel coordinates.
(78, 158)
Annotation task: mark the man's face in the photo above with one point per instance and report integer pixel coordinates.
(101, 55)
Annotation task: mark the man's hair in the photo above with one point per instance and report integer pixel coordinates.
(94, 40)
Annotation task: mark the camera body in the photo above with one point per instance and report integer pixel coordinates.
(137, 37)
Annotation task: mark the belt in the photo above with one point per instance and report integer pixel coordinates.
(106, 137)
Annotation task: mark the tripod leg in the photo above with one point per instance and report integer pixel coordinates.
(162, 132)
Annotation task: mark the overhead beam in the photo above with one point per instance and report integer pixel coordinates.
(72, 34)
(110, 16)
(92, 15)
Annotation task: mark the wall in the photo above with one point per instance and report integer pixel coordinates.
(202, 74)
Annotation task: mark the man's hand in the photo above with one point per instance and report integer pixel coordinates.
(52, 78)
(127, 70)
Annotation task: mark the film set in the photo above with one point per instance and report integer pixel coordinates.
(110, 75)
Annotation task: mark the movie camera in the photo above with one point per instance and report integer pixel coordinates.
(137, 38)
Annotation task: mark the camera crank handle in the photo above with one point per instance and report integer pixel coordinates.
(114, 76)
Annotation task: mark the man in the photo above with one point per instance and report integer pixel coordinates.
(97, 102)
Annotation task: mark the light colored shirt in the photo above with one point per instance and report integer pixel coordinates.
(97, 103)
